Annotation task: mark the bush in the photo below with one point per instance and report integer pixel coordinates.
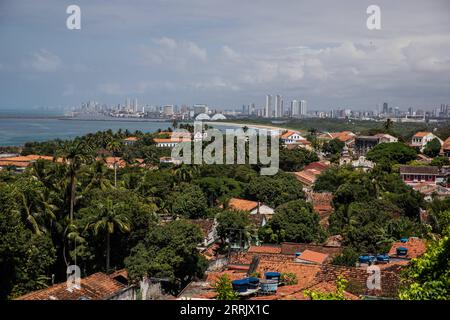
(289, 279)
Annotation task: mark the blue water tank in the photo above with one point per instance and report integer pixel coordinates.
(240, 285)
(253, 283)
(383, 258)
(297, 254)
(404, 240)
(366, 259)
(273, 276)
(401, 251)
(269, 285)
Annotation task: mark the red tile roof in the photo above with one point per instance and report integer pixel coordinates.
(421, 134)
(275, 249)
(312, 256)
(416, 247)
(97, 286)
(241, 204)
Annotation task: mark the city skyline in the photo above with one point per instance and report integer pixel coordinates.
(221, 54)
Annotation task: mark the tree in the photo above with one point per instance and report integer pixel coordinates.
(233, 226)
(333, 147)
(341, 284)
(25, 258)
(74, 155)
(293, 221)
(224, 289)
(168, 251)
(432, 148)
(296, 159)
(388, 125)
(190, 202)
(114, 146)
(428, 277)
(108, 218)
(391, 153)
(440, 162)
(275, 190)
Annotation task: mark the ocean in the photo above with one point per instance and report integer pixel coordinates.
(17, 130)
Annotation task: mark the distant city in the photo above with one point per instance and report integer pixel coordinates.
(274, 108)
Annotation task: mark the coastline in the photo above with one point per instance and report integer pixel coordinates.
(249, 125)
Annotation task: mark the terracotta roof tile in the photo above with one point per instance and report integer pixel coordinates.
(312, 256)
(275, 249)
(416, 247)
(421, 134)
(241, 204)
(97, 286)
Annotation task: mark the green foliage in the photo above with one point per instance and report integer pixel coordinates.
(224, 289)
(170, 251)
(333, 147)
(275, 190)
(233, 225)
(391, 153)
(190, 202)
(25, 258)
(440, 162)
(289, 278)
(348, 258)
(428, 277)
(293, 221)
(295, 159)
(341, 284)
(432, 148)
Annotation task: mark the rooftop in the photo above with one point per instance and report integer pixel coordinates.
(98, 286)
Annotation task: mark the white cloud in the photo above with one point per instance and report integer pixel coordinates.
(45, 61)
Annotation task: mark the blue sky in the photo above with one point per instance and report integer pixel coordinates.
(225, 53)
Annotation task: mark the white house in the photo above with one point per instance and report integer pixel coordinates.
(420, 139)
(291, 137)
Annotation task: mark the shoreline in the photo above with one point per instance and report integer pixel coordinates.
(249, 125)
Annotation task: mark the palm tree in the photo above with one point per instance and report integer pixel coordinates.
(114, 146)
(108, 218)
(388, 124)
(98, 177)
(75, 154)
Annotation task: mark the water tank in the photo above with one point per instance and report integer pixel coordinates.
(240, 285)
(273, 276)
(366, 259)
(253, 283)
(401, 251)
(383, 258)
(404, 240)
(297, 254)
(269, 285)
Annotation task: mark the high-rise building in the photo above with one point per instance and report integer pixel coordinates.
(200, 108)
(278, 106)
(268, 110)
(303, 110)
(295, 108)
(385, 108)
(168, 110)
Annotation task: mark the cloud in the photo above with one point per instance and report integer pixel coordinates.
(171, 53)
(45, 61)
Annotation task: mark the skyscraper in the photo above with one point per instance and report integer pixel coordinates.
(303, 110)
(268, 111)
(385, 108)
(295, 108)
(278, 106)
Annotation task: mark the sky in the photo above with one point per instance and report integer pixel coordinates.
(225, 53)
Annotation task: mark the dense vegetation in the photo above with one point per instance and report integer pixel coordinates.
(140, 217)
